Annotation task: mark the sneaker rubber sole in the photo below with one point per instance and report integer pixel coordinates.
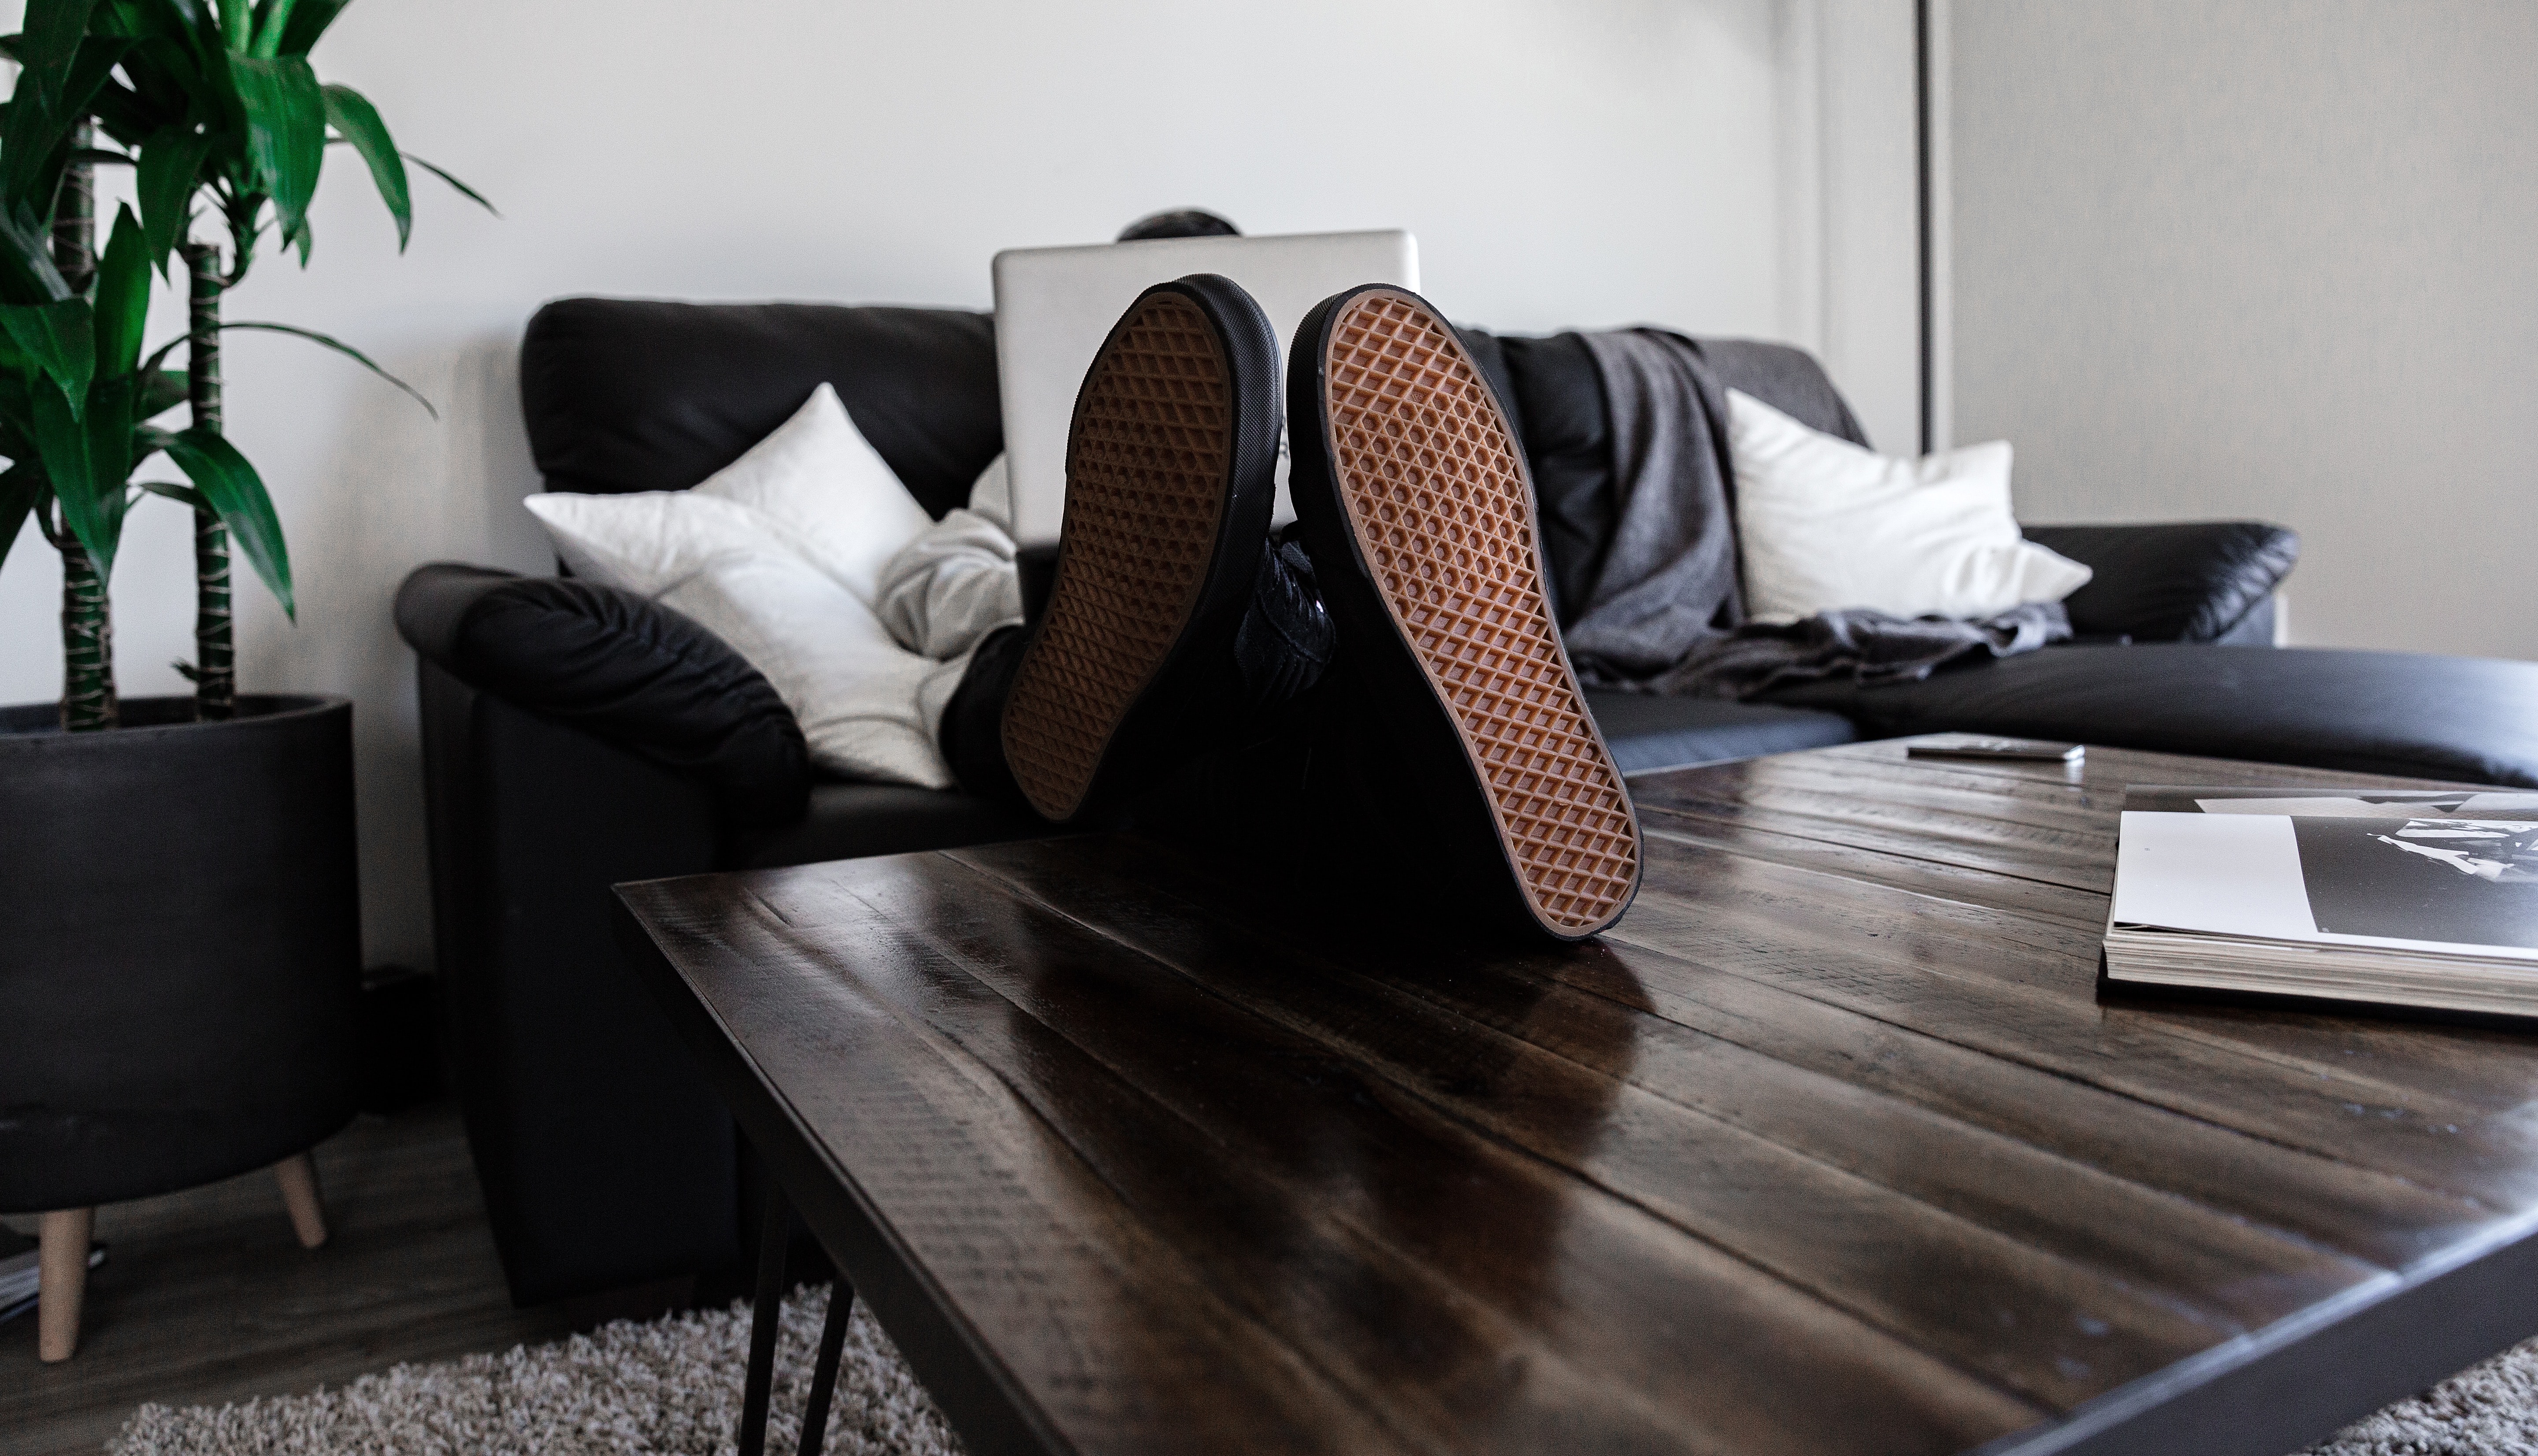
(1167, 436)
(1424, 489)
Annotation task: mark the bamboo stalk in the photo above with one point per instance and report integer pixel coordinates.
(88, 699)
(75, 215)
(215, 639)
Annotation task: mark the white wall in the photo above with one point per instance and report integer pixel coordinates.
(2266, 258)
(1851, 176)
(1589, 163)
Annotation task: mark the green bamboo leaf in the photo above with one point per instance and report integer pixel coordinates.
(51, 37)
(163, 87)
(122, 294)
(286, 132)
(111, 453)
(470, 193)
(308, 20)
(62, 446)
(170, 173)
(18, 384)
(238, 497)
(174, 20)
(123, 115)
(158, 356)
(27, 271)
(350, 114)
(60, 337)
(182, 494)
(161, 390)
(22, 489)
(270, 17)
(342, 348)
(35, 134)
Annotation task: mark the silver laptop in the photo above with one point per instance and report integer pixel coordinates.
(1054, 305)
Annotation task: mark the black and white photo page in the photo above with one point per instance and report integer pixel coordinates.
(2219, 886)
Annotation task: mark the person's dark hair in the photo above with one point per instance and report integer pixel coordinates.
(1184, 222)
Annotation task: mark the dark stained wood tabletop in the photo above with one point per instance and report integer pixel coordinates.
(1830, 1146)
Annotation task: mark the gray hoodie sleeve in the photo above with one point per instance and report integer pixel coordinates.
(956, 584)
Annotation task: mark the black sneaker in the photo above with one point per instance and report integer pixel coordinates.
(1411, 496)
(1169, 480)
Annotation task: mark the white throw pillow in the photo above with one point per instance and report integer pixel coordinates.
(777, 555)
(1823, 524)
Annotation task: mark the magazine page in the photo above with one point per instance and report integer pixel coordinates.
(2335, 803)
(2414, 871)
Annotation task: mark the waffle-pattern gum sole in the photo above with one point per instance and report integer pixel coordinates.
(1436, 490)
(1145, 488)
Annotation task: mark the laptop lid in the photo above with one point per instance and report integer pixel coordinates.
(1054, 305)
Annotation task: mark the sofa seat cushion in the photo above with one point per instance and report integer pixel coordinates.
(1648, 732)
(2407, 713)
(848, 820)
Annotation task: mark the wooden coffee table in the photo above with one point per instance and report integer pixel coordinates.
(1830, 1147)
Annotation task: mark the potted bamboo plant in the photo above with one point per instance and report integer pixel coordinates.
(178, 983)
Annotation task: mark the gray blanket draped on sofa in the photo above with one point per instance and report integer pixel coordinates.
(1666, 612)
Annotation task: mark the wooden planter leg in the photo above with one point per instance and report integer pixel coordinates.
(299, 1179)
(62, 1265)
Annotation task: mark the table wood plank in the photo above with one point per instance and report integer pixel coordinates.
(2018, 989)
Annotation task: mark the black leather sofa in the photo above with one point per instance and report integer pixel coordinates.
(575, 738)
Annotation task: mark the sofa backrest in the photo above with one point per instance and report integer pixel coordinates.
(625, 394)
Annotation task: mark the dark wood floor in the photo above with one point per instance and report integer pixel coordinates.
(207, 1298)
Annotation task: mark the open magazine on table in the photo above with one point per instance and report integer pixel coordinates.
(2408, 898)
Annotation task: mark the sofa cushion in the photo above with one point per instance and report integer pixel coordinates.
(2176, 581)
(846, 821)
(626, 394)
(1647, 732)
(1825, 525)
(2409, 713)
(777, 555)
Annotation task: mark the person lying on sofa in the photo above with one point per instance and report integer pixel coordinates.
(1376, 706)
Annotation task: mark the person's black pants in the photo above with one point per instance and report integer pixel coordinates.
(1311, 798)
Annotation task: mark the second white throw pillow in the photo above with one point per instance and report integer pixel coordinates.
(776, 554)
(1824, 524)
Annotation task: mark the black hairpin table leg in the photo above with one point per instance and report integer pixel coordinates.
(824, 1375)
(772, 1236)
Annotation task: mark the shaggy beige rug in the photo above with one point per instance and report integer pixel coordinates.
(672, 1387)
(2487, 1410)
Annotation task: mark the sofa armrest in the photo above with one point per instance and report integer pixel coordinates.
(621, 667)
(605, 1159)
(2180, 581)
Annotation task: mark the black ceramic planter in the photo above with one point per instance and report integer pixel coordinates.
(179, 946)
